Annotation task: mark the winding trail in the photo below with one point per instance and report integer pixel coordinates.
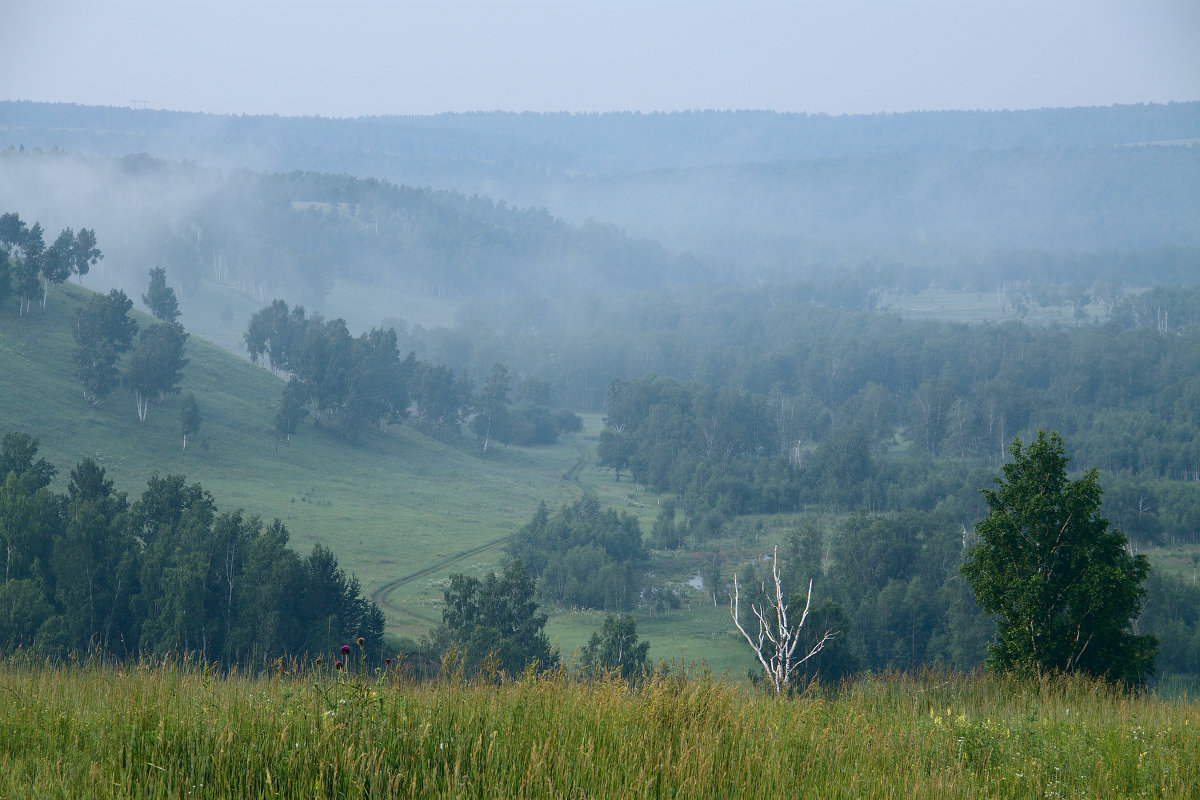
(585, 458)
(381, 595)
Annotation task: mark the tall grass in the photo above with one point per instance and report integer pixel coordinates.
(172, 730)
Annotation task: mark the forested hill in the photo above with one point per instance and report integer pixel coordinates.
(960, 198)
(293, 234)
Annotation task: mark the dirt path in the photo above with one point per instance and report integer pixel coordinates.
(381, 595)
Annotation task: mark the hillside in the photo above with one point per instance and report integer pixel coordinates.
(402, 511)
(393, 506)
(517, 203)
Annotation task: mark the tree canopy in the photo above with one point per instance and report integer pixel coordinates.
(1061, 583)
(160, 298)
(94, 570)
(103, 331)
(495, 620)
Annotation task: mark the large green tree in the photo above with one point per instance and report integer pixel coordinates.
(156, 364)
(57, 262)
(26, 245)
(1061, 583)
(84, 253)
(103, 331)
(615, 647)
(495, 620)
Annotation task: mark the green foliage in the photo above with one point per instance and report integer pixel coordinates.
(361, 383)
(103, 332)
(492, 408)
(664, 431)
(494, 624)
(24, 247)
(57, 262)
(582, 555)
(189, 417)
(1172, 614)
(154, 368)
(5, 278)
(165, 575)
(291, 410)
(615, 647)
(666, 533)
(84, 253)
(160, 298)
(1062, 585)
(442, 399)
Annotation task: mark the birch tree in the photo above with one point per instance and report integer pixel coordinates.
(777, 642)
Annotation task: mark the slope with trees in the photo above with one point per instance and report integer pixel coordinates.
(165, 574)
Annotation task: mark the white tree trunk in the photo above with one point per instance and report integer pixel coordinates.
(778, 660)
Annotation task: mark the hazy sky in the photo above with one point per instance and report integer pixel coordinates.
(365, 57)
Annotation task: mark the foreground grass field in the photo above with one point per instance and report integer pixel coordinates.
(167, 731)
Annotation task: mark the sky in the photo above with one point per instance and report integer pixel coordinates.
(349, 58)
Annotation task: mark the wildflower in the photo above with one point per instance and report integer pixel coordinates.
(360, 641)
(337, 664)
(387, 662)
(345, 649)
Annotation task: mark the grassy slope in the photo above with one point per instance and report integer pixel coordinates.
(401, 511)
(390, 506)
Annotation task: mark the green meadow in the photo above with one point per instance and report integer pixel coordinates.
(171, 730)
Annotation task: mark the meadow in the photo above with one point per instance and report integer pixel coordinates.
(177, 730)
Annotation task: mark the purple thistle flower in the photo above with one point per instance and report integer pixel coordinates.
(337, 664)
(387, 662)
(360, 641)
(345, 649)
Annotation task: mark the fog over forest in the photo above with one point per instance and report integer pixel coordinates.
(607, 399)
(817, 331)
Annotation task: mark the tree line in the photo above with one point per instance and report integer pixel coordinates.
(583, 556)
(362, 383)
(29, 269)
(866, 391)
(91, 570)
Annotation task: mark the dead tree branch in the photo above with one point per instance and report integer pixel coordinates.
(777, 641)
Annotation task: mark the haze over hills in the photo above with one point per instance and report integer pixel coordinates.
(466, 453)
(726, 327)
(972, 200)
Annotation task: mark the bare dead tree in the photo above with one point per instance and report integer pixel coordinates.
(777, 641)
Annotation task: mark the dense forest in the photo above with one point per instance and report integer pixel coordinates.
(782, 405)
(296, 233)
(92, 571)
